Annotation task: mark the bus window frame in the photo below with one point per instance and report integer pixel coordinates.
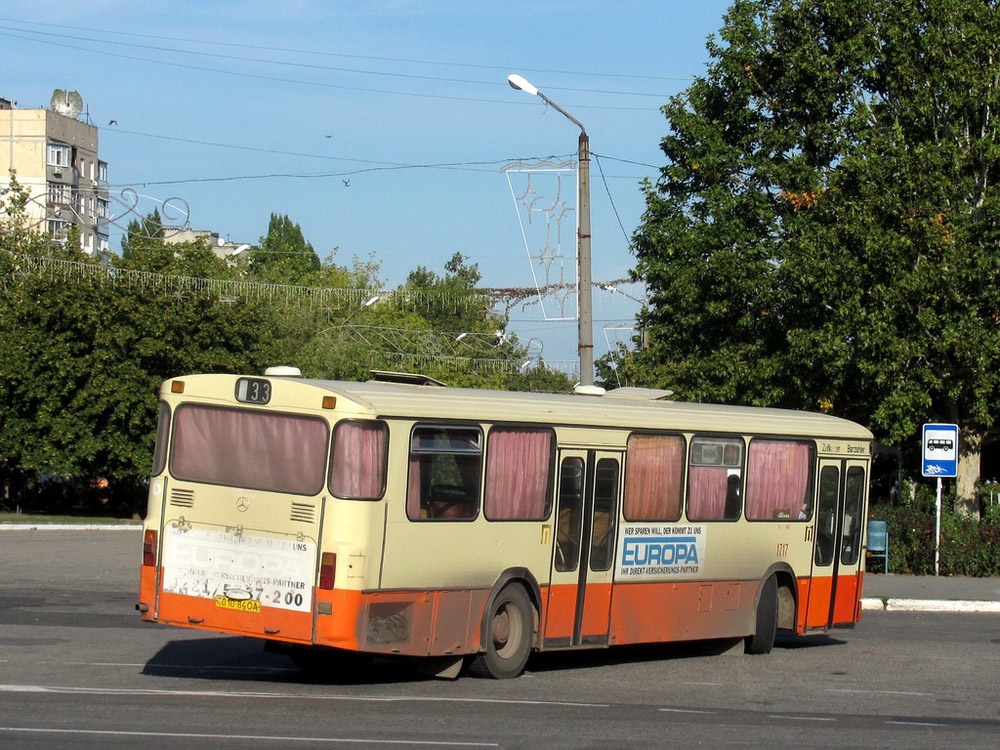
(161, 443)
(692, 437)
(385, 459)
(473, 426)
(682, 500)
(550, 481)
(300, 415)
(810, 487)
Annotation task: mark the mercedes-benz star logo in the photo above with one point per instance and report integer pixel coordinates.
(242, 505)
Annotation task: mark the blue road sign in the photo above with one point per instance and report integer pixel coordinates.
(940, 450)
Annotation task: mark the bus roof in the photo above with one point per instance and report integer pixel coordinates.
(633, 408)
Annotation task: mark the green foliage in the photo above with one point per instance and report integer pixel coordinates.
(824, 233)
(284, 256)
(82, 357)
(969, 547)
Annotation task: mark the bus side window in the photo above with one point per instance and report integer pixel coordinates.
(445, 470)
(570, 514)
(715, 479)
(602, 538)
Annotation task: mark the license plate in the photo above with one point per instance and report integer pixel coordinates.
(243, 605)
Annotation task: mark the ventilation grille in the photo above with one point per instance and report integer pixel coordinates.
(303, 513)
(182, 498)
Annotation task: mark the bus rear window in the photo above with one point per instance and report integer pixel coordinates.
(248, 448)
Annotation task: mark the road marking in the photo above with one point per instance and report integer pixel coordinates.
(801, 718)
(66, 690)
(917, 723)
(685, 711)
(259, 737)
(882, 692)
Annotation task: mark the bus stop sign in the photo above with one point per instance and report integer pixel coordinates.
(940, 450)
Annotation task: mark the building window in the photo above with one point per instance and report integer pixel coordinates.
(102, 171)
(103, 242)
(58, 155)
(102, 208)
(59, 193)
(56, 228)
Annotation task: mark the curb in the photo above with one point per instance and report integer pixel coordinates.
(929, 605)
(69, 527)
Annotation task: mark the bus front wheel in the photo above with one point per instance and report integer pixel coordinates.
(509, 626)
(762, 640)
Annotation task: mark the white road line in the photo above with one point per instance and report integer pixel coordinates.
(882, 692)
(685, 711)
(917, 723)
(66, 690)
(801, 718)
(258, 737)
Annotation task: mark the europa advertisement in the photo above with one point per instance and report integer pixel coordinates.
(655, 551)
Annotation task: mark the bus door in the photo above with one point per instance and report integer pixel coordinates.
(840, 519)
(578, 610)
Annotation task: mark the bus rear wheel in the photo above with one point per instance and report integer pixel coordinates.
(509, 626)
(762, 641)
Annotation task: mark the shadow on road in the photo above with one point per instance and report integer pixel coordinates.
(241, 659)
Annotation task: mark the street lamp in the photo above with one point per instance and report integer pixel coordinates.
(584, 297)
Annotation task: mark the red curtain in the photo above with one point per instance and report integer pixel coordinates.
(357, 469)
(653, 472)
(518, 462)
(707, 488)
(777, 479)
(246, 448)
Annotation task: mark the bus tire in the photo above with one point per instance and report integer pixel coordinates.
(509, 625)
(762, 641)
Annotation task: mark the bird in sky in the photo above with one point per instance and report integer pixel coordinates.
(347, 183)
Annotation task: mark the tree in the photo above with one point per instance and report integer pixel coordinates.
(825, 233)
(284, 255)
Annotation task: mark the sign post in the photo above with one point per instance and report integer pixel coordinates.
(940, 460)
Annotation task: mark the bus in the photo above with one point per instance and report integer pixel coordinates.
(401, 517)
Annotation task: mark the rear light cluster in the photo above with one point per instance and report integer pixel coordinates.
(149, 548)
(328, 571)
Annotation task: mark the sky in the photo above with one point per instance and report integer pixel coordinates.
(381, 127)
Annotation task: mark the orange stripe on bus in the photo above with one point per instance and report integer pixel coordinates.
(685, 610)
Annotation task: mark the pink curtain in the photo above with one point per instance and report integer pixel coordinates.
(707, 487)
(357, 469)
(777, 479)
(413, 489)
(653, 470)
(247, 448)
(518, 462)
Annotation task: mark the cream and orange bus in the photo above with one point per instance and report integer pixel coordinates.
(400, 517)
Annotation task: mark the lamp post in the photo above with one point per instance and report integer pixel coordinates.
(584, 284)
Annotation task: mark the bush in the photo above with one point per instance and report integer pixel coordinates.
(969, 547)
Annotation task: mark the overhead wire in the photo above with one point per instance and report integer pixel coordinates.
(377, 58)
(320, 84)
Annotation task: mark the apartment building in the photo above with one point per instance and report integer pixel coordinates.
(56, 158)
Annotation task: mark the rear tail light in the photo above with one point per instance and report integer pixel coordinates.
(149, 547)
(328, 571)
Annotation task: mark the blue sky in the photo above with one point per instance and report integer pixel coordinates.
(307, 87)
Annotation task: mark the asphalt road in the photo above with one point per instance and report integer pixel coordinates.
(79, 669)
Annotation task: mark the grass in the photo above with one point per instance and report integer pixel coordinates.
(38, 519)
